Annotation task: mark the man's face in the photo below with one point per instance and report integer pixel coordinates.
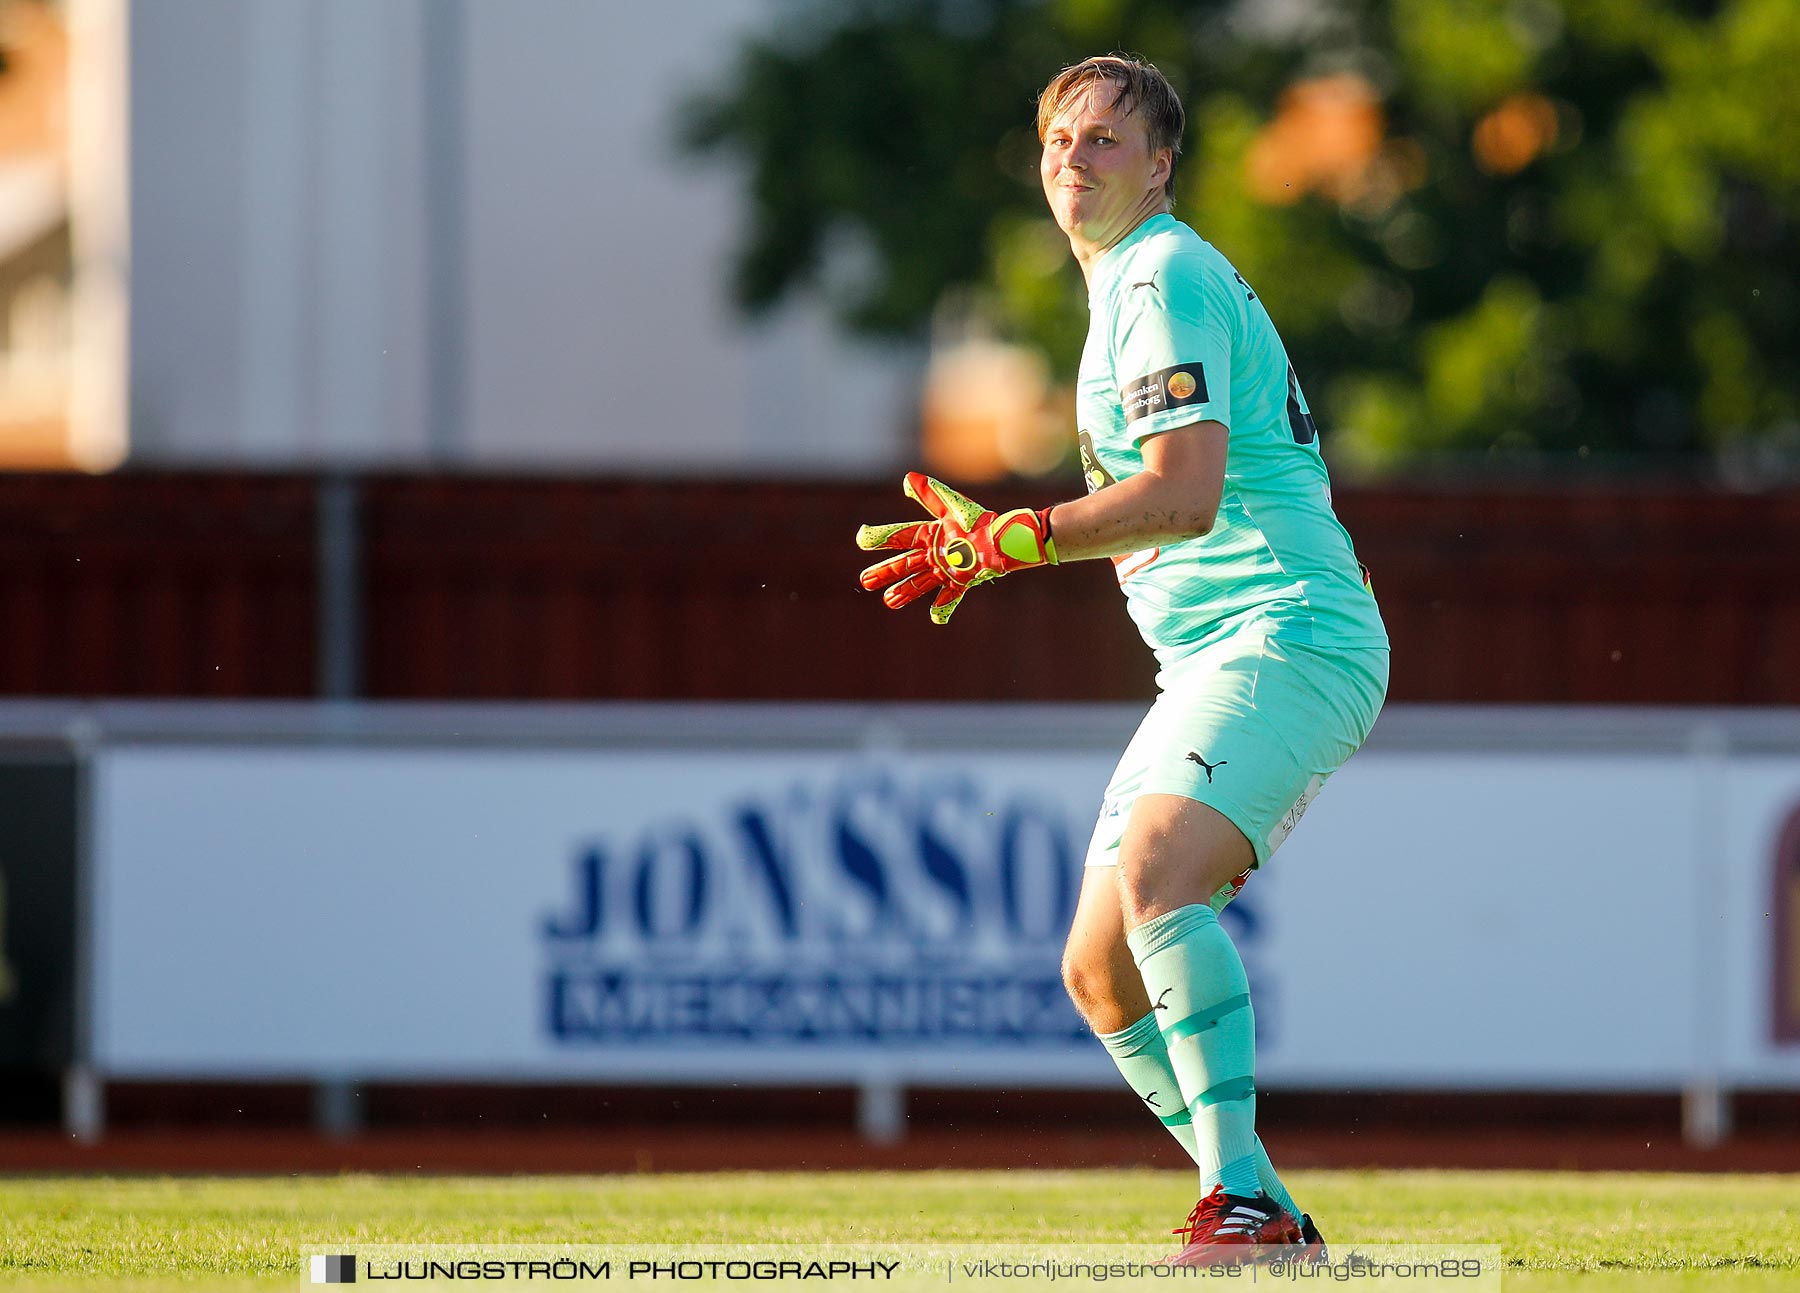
(1099, 173)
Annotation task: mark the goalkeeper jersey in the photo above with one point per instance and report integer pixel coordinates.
(1175, 336)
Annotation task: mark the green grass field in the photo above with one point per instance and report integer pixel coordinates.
(1559, 1231)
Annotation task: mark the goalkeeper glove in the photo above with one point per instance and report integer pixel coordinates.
(963, 546)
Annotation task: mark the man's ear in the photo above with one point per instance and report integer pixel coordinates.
(1165, 163)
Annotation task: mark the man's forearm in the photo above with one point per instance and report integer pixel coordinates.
(1143, 511)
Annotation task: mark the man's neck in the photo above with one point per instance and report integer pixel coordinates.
(1086, 252)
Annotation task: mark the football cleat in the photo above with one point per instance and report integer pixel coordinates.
(1315, 1253)
(1233, 1230)
(1200, 1219)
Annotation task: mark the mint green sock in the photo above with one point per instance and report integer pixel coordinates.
(1201, 1001)
(1143, 1061)
(1271, 1183)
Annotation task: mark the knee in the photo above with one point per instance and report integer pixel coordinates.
(1181, 855)
(1082, 981)
(1091, 986)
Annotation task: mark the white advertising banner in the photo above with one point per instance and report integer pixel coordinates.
(1506, 917)
(729, 915)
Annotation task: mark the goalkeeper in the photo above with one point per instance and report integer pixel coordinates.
(1207, 491)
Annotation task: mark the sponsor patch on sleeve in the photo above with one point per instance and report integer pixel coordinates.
(1171, 388)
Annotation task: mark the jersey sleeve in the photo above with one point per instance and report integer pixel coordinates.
(1172, 341)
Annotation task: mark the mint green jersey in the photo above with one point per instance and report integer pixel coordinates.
(1175, 336)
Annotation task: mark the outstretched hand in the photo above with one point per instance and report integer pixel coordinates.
(961, 546)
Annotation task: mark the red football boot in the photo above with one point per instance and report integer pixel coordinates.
(1315, 1253)
(1231, 1230)
(1200, 1218)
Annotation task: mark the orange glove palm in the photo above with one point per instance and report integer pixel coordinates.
(962, 546)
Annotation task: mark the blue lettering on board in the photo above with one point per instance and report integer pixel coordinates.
(872, 912)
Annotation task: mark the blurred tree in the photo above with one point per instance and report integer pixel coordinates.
(1483, 226)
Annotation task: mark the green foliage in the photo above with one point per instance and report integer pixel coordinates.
(1461, 56)
(891, 146)
(1629, 282)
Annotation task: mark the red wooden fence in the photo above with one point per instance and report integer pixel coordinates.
(142, 584)
(156, 585)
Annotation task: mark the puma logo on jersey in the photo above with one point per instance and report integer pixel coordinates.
(1160, 1004)
(1149, 283)
(1151, 1101)
(1208, 766)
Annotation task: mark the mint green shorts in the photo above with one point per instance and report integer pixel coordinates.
(1252, 727)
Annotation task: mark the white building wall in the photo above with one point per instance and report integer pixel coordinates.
(460, 233)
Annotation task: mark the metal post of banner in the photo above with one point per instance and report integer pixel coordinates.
(84, 1104)
(881, 1109)
(83, 1088)
(337, 1108)
(1705, 1099)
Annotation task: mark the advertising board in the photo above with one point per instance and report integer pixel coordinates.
(1521, 917)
